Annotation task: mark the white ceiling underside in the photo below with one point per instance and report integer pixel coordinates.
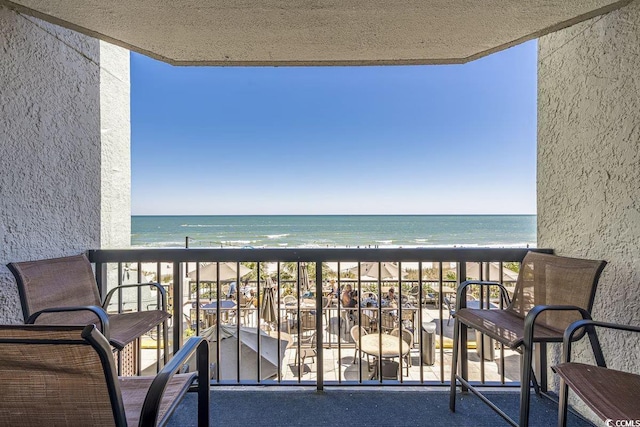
(315, 32)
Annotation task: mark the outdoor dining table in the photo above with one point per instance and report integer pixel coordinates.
(210, 310)
(383, 345)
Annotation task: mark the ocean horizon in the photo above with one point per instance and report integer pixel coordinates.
(322, 231)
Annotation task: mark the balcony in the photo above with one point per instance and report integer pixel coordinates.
(307, 338)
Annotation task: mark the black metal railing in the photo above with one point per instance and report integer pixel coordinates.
(312, 314)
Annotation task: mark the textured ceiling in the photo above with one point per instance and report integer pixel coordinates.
(315, 32)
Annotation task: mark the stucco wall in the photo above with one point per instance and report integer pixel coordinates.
(589, 161)
(64, 149)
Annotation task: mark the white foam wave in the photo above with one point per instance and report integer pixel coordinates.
(238, 242)
(276, 236)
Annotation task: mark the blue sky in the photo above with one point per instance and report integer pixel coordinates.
(335, 140)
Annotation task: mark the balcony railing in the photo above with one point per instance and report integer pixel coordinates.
(307, 335)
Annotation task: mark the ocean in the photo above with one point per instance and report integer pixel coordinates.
(321, 231)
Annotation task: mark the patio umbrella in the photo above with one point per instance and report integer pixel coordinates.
(304, 277)
(270, 352)
(268, 306)
(228, 272)
(370, 271)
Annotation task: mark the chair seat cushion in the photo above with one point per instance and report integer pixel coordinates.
(126, 327)
(134, 390)
(504, 326)
(611, 394)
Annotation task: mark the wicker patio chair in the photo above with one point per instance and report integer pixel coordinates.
(66, 375)
(610, 393)
(551, 292)
(369, 320)
(388, 321)
(63, 291)
(408, 337)
(306, 336)
(356, 332)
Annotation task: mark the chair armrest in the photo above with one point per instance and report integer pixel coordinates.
(581, 324)
(151, 406)
(462, 302)
(98, 311)
(530, 319)
(160, 289)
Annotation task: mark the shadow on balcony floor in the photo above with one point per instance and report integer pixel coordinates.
(295, 406)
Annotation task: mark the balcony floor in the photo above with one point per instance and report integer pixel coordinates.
(404, 406)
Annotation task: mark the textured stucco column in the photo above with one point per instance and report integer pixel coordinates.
(589, 162)
(64, 146)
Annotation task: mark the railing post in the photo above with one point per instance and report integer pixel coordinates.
(319, 328)
(461, 276)
(101, 278)
(178, 285)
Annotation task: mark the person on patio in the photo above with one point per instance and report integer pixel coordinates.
(391, 297)
(231, 293)
(348, 299)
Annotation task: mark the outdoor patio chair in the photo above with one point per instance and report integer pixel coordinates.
(63, 291)
(306, 336)
(66, 375)
(450, 308)
(388, 321)
(414, 295)
(610, 393)
(326, 308)
(408, 337)
(356, 332)
(550, 293)
(370, 323)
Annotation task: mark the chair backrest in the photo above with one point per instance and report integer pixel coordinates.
(289, 300)
(356, 332)
(307, 321)
(58, 375)
(367, 319)
(388, 321)
(407, 336)
(448, 303)
(325, 302)
(57, 282)
(554, 280)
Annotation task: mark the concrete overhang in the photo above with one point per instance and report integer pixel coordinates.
(315, 32)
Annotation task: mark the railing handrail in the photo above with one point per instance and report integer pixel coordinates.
(314, 255)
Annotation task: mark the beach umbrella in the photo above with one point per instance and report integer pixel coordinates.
(271, 351)
(228, 272)
(370, 270)
(268, 306)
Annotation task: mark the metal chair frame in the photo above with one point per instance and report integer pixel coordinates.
(525, 347)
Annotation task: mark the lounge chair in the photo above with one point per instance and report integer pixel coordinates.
(63, 291)
(66, 375)
(551, 292)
